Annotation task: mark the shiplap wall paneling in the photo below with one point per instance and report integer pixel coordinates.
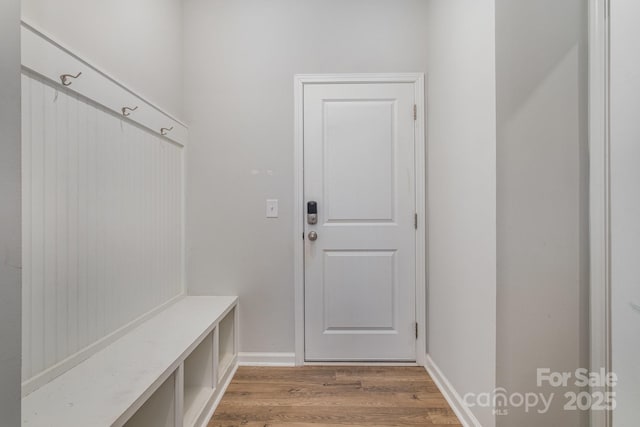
(102, 223)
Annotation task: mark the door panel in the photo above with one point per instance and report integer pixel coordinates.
(360, 272)
(348, 275)
(352, 130)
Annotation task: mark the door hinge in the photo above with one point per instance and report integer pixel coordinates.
(303, 236)
(415, 220)
(416, 327)
(415, 112)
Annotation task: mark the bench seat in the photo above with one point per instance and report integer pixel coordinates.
(109, 387)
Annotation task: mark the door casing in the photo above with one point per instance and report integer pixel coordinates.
(417, 79)
(599, 200)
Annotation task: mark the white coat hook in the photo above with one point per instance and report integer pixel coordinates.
(164, 131)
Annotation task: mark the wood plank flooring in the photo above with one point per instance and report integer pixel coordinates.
(313, 396)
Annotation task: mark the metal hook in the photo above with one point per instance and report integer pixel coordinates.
(164, 131)
(126, 111)
(65, 78)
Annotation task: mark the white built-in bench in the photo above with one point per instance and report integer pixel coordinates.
(170, 371)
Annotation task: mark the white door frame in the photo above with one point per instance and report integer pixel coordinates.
(298, 214)
(599, 194)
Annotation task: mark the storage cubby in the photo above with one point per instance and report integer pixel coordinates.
(159, 410)
(226, 343)
(199, 381)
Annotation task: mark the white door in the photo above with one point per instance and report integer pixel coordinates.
(360, 270)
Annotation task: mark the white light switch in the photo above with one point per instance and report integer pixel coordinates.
(272, 208)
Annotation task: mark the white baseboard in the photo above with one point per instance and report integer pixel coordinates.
(385, 364)
(267, 359)
(461, 410)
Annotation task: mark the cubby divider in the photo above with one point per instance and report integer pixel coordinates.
(160, 409)
(226, 343)
(199, 379)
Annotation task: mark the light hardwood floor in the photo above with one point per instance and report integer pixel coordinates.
(315, 396)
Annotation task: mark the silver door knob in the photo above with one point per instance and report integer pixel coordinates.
(313, 236)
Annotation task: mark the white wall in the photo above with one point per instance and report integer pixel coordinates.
(137, 42)
(240, 57)
(10, 262)
(625, 208)
(462, 195)
(542, 200)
